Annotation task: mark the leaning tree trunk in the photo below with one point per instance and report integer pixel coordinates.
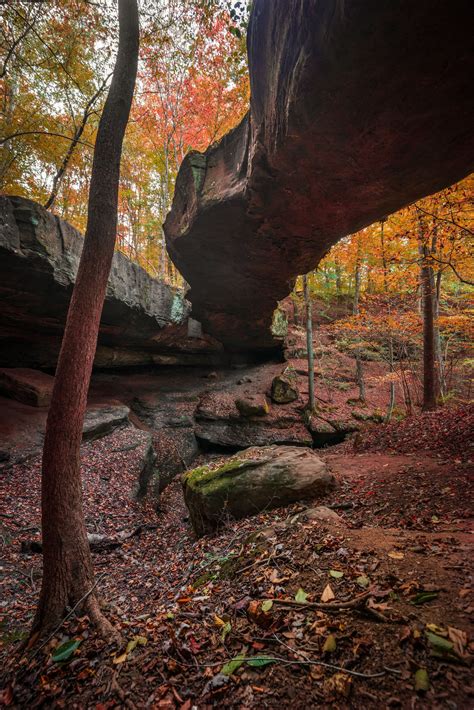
(68, 575)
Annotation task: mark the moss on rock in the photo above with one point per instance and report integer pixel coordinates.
(203, 475)
(264, 478)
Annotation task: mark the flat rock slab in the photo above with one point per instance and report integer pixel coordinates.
(240, 435)
(100, 421)
(220, 423)
(258, 479)
(29, 386)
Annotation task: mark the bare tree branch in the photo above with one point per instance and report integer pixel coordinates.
(16, 42)
(448, 263)
(444, 219)
(41, 133)
(88, 111)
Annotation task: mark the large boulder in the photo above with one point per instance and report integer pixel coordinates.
(258, 479)
(357, 109)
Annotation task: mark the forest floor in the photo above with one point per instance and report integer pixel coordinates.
(397, 555)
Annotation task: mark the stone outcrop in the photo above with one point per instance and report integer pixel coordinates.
(144, 321)
(256, 480)
(31, 387)
(358, 108)
(149, 476)
(219, 423)
(100, 420)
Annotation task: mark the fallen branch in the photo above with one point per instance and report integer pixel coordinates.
(288, 662)
(97, 543)
(330, 607)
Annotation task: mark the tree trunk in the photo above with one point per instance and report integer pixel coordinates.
(338, 282)
(429, 370)
(355, 305)
(360, 376)
(67, 565)
(391, 404)
(438, 344)
(309, 343)
(355, 311)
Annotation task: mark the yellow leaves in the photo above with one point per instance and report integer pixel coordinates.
(339, 684)
(218, 621)
(460, 323)
(131, 646)
(330, 644)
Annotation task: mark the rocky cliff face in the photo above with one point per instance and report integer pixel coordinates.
(144, 320)
(358, 108)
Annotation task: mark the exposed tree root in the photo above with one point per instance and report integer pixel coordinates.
(49, 620)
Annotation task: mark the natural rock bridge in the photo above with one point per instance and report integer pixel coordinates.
(358, 108)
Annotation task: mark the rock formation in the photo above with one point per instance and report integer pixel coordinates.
(358, 108)
(221, 424)
(258, 479)
(144, 320)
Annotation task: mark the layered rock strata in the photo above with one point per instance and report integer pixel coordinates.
(144, 321)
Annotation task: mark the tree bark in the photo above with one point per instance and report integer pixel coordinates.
(67, 564)
(309, 343)
(391, 404)
(360, 376)
(429, 369)
(438, 344)
(355, 312)
(355, 305)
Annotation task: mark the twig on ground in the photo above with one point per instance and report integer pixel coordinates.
(288, 662)
(330, 607)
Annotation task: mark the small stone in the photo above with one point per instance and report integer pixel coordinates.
(321, 513)
(285, 388)
(252, 406)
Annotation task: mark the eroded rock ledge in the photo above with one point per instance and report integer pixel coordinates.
(144, 321)
(358, 108)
